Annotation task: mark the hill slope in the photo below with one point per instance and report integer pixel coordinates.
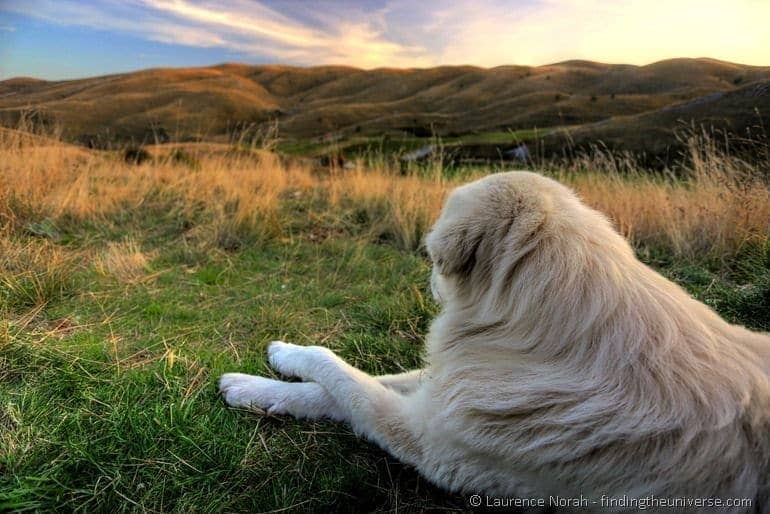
(743, 112)
(209, 103)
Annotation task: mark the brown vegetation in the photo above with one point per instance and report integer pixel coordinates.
(204, 103)
(227, 198)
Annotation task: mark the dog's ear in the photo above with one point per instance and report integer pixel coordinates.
(454, 248)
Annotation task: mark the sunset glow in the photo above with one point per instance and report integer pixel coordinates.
(61, 38)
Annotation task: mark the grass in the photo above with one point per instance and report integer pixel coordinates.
(126, 290)
(109, 396)
(371, 150)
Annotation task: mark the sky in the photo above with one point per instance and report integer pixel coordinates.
(59, 39)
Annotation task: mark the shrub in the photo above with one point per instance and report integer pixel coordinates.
(136, 155)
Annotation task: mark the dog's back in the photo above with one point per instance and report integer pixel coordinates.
(579, 368)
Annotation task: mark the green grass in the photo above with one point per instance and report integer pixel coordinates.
(394, 145)
(108, 399)
(119, 410)
(501, 137)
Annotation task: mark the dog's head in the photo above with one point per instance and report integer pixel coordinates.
(492, 223)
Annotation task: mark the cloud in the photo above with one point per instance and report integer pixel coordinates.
(8, 28)
(254, 27)
(404, 33)
(249, 27)
(494, 32)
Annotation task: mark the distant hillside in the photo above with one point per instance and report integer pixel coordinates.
(210, 103)
(743, 112)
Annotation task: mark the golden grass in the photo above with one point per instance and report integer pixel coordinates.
(400, 208)
(32, 273)
(720, 204)
(123, 260)
(229, 197)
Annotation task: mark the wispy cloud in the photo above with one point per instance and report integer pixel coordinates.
(406, 33)
(254, 27)
(8, 28)
(128, 17)
(249, 27)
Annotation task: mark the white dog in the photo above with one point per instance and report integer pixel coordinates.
(559, 365)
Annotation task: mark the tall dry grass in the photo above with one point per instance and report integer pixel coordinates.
(715, 206)
(33, 273)
(123, 260)
(391, 206)
(224, 197)
(62, 182)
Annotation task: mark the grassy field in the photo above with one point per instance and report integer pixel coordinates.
(363, 146)
(126, 290)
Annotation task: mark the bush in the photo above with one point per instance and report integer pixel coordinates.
(179, 156)
(136, 155)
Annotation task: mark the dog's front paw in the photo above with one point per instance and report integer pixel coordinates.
(285, 358)
(292, 360)
(254, 393)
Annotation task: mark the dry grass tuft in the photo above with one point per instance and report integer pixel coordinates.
(123, 260)
(717, 205)
(32, 273)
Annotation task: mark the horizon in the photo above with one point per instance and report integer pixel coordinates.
(60, 40)
(333, 65)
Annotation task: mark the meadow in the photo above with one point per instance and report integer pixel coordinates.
(127, 288)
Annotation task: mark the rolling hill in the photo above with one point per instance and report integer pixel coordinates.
(742, 112)
(212, 103)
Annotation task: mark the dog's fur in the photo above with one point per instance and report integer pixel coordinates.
(559, 365)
